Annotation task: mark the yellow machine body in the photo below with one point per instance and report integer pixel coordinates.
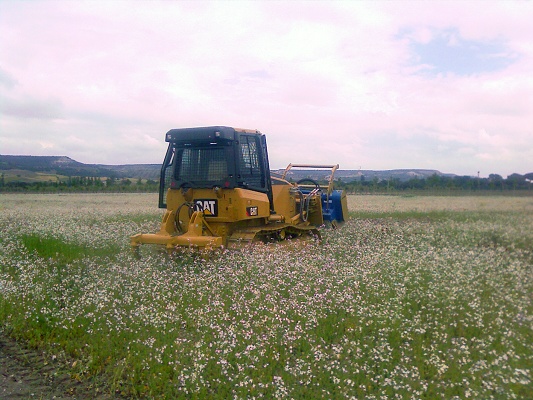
(229, 213)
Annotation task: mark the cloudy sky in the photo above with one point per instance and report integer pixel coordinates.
(371, 85)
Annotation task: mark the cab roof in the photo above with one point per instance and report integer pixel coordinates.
(206, 133)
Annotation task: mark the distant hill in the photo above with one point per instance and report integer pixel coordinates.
(66, 166)
(143, 171)
(348, 175)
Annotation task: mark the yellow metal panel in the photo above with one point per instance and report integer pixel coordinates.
(242, 199)
(232, 203)
(284, 201)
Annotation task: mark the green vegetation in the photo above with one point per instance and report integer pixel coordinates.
(27, 181)
(60, 251)
(16, 180)
(414, 297)
(441, 184)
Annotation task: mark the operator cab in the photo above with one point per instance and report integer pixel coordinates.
(215, 157)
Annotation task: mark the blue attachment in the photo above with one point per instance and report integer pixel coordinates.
(333, 210)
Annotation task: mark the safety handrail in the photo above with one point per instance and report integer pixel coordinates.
(315, 166)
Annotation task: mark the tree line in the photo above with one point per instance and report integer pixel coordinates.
(81, 184)
(440, 183)
(494, 182)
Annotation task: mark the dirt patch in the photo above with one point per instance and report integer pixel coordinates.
(30, 374)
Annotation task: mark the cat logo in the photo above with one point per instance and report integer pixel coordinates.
(252, 211)
(208, 206)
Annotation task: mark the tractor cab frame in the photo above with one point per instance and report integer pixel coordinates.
(215, 157)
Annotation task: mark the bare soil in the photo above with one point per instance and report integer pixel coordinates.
(30, 374)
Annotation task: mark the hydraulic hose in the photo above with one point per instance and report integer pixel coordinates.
(190, 205)
(305, 200)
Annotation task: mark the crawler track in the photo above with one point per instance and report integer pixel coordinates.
(271, 233)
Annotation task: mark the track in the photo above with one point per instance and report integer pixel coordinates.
(275, 232)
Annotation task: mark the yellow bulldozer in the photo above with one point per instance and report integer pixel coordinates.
(218, 191)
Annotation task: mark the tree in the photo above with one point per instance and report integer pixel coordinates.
(495, 181)
(434, 181)
(516, 181)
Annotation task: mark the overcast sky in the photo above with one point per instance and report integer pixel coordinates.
(371, 85)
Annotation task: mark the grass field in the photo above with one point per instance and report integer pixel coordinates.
(12, 175)
(414, 297)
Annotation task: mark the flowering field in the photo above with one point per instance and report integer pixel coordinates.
(414, 297)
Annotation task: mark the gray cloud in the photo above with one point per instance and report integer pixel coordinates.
(31, 108)
(7, 80)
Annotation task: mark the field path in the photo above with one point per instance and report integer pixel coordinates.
(26, 373)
